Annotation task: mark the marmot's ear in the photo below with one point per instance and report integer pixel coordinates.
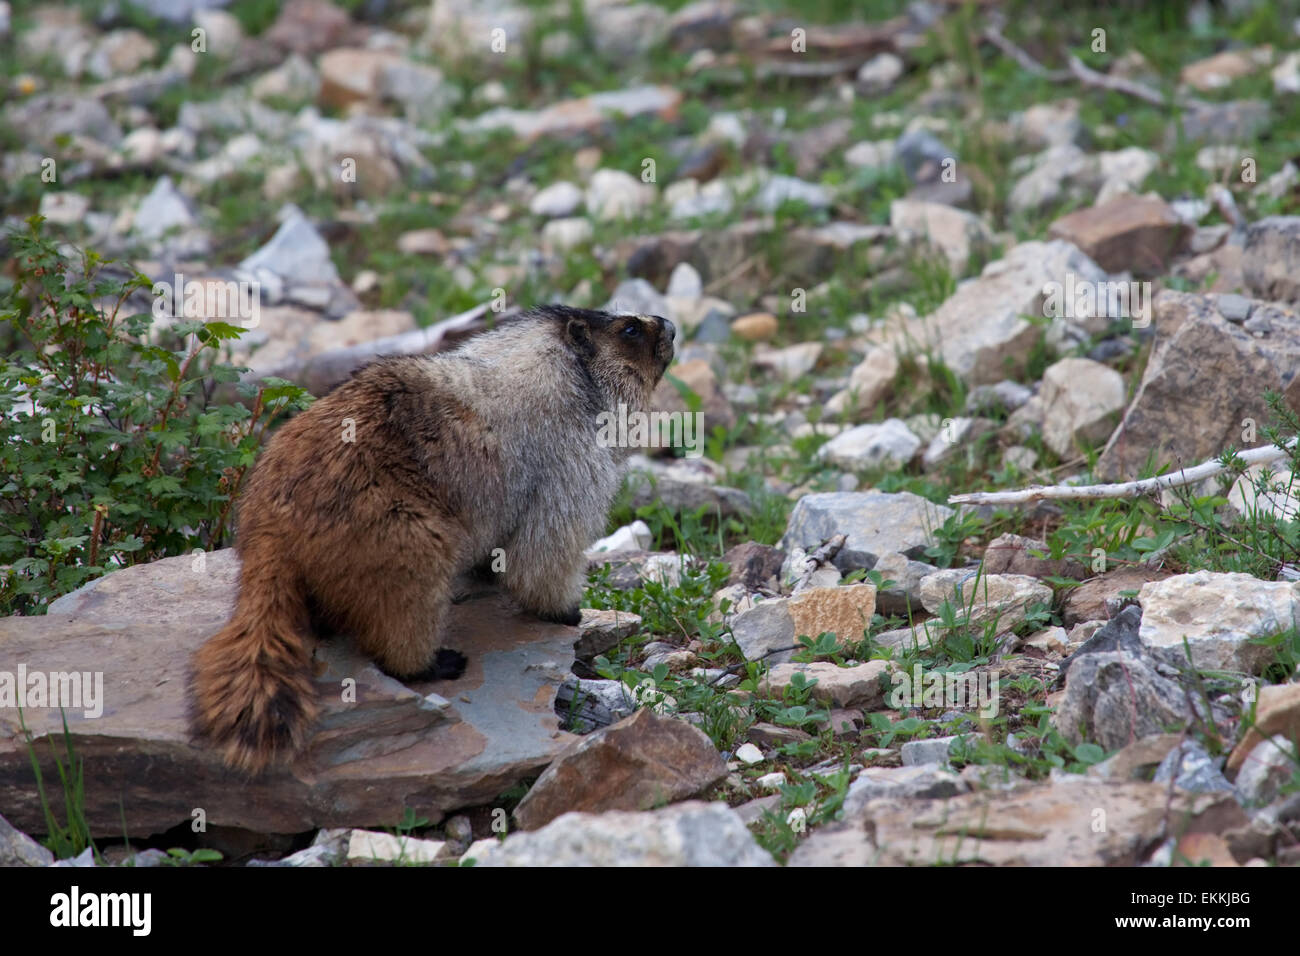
(579, 336)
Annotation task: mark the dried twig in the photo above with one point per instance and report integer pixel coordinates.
(1027, 62)
(1078, 70)
(1090, 77)
(1127, 489)
(818, 559)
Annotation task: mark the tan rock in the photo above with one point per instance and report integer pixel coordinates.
(1198, 849)
(1128, 233)
(567, 117)
(1088, 601)
(699, 377)
(755, 326)
(1218, 71)
(869, 382)
(984, 597)
(357, 327)
(1082, 400)
(423, 242)
(1050, 641)
(1015, 554)
(1075, 823)
(863, 687)
(353, 75)
(309, 26)
(599, 630)
(843, 611)
(366, 846)
(955, 233)
(639, 763)
(1204, 377)
(1277, 712)
(1136, 761)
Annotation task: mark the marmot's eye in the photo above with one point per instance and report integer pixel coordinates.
(632, 330)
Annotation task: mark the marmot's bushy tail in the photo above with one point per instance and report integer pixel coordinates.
(253, 691)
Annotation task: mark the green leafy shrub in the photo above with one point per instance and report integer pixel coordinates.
(115, 448)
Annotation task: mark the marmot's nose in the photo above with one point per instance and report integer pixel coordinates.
(666, 327)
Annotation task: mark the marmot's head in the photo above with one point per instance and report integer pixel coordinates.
(626, 355)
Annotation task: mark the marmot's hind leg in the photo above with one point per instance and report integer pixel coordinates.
(400, 630)
(395, 605)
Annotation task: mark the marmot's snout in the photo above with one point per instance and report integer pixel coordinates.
(664, 347)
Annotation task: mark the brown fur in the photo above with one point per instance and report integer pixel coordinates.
(491, 446)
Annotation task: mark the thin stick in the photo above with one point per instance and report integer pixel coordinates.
(1027, 62)
(1127, 489)
(1078, 70)
(1091, 77)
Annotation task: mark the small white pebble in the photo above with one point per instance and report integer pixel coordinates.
(749, 754)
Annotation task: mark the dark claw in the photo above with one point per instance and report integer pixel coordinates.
(447, 665)
(571, 617)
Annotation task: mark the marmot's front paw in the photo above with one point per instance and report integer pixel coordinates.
(571, 617)
(447, 665)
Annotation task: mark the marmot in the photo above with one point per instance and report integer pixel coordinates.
(493, 445)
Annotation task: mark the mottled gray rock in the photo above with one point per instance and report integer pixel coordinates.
(1000, 397)
(765, 631)
(621, 31)
(889, 444)
(978, 598)
(1204, 377)
(922, 155)
(907, 575)
(776, 190)
(556, 200)
(47, 117)
(875, 522)
(295, 266)
(686, 496)
(981, 330)
(1113, 698)
(637, 296)
(162, 211)
(18, 849)
(687, 834)
(1190, 767)
(1235, 121)
(1271, 259)
(1218, 615)
(902, 783)
(935, 750)
(585, 705)
(1270, 766)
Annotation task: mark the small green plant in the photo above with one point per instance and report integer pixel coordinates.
(71, 838)
(178, 856)
(118, 450)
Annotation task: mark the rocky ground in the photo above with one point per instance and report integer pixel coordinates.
(915, 252)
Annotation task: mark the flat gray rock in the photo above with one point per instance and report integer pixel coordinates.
(434, 747)
(876, 522)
